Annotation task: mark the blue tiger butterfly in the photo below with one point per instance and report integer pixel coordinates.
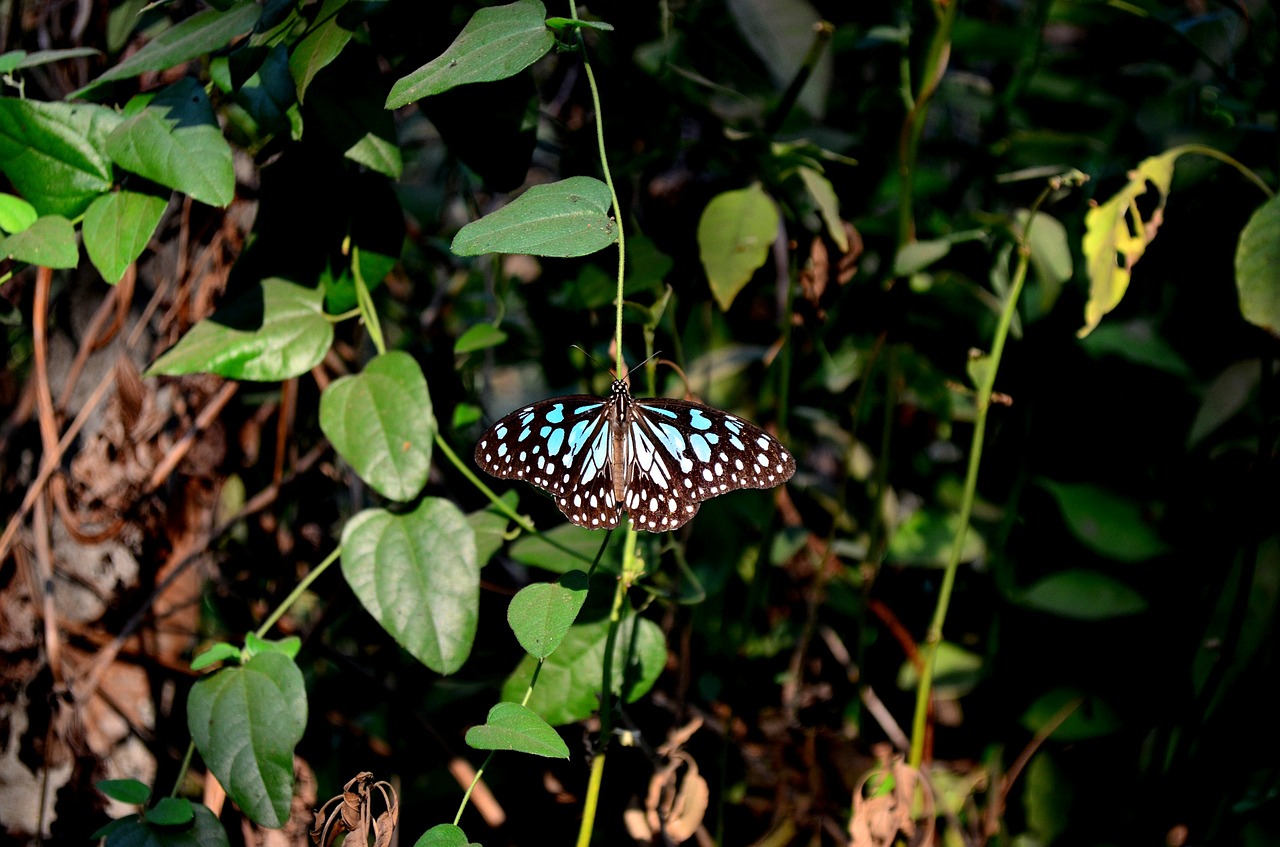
(656, 459)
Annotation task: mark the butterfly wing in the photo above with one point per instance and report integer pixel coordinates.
(560, 445)
(683, 453)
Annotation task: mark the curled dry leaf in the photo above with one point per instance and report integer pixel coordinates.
(878, 820)
(352, 812)
(818, 270)
(675, 805)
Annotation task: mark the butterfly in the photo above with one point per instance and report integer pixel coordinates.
(655, 459)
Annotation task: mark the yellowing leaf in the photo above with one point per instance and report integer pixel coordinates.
(734, 234)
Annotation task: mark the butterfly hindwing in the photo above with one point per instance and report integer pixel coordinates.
(560, 445)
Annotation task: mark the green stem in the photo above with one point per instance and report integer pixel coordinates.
(472, 787)
(1223, 157)
(822, 32)
(929, 651)
(182, 771)
(365, 303)
(593, 799)
(608, 180)
(297, 591)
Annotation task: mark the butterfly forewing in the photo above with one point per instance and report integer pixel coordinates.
(683, 453)
(561, 446)
(674, 455)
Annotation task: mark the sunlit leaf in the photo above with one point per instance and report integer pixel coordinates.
(16, 214)
(54, 154)
(541, 614)
(479, 337)
(444, 835)
(734, 235)
(117, 228)
(511, 726)
(50, 241)
(565, 218)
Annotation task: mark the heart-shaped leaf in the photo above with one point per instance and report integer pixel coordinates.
(565, 218)
(245, 721)
(380, 420)
(53, 153)
(271, 332)
(117, 228)
(416, 573)
(49, 242)
(511, 726)
(170, 811)
(541, 614)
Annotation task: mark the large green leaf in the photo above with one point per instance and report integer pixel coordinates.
(245, 721)
(54, 154)
(274, 331)
(1258, 267)
(566, 218)
(541, 614)
(496, 43)
(734, 234)
(416, 573)
(569, 684)
(204, 830)
(50, 242)
(380, 420)
(1106, 523)
(198, 35)
(511, 726)
(117, 228)
(175, 141)
(1082, 595)
(330, 32)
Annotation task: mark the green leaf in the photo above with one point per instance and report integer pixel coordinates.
(269, 93)
(204, 830)
(1093, 718)
(734, 235)
(918, 255)
(1258, 267)
(380, 420)
(287, 647)
(219, 652)
(274, 331)
(541, 614)
(321, 45)
(1050, 251)
(1137, 341)
(124, 790)
(1224, 398)
(444, 835)
(49, 242)
(496, 43)
(117, 228)
(16, 214)
(170, 811)
(345, 112)
(245, 721)
(566, 25)
(18, 59)
(538, 551)
(571, 679)
(565, 218)
(1116, 235)
(511, 726)
(11, 60)
(1046, 798)
(955, 672)
(479, 337)
(1106, 523)
(490, 527)
(175, 141)
(53, 153)
(824, 196)
(1081, 595)
(416, 573)
(198, 35)
(927, 536)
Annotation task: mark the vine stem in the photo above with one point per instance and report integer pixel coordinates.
(929, 651)
(298, 590)
(365, 302)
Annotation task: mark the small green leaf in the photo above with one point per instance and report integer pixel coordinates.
(1106, 523)
(566, 25)
(125, 790)
(571, 678)
(541, 614)
(1092, 718)
(566, 218)
(199, 35)
(329, 34)
(205, 830)
(1081, 595)
(465, 414)
(288, 646)
(43, 57)
(918, 255)
(444, 835)
(511, 726)
(175, 141)
(219, 652)
(53, 153)
(271, 332)
(1046, 797)
(1225, 397)
(11, 60)
(1258, 267)
(416, 574)
(927, 536)
(16, 214)
(170, 811)
(380, 420)
(955, 671)
(117, 228)
(824, 196)
(1137, 341)
(734, 235)
(479, 337)
(1050, 250)
(49, 242)
(245, 721)
(496, 43)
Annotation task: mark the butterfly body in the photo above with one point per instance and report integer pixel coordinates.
(656, 459)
